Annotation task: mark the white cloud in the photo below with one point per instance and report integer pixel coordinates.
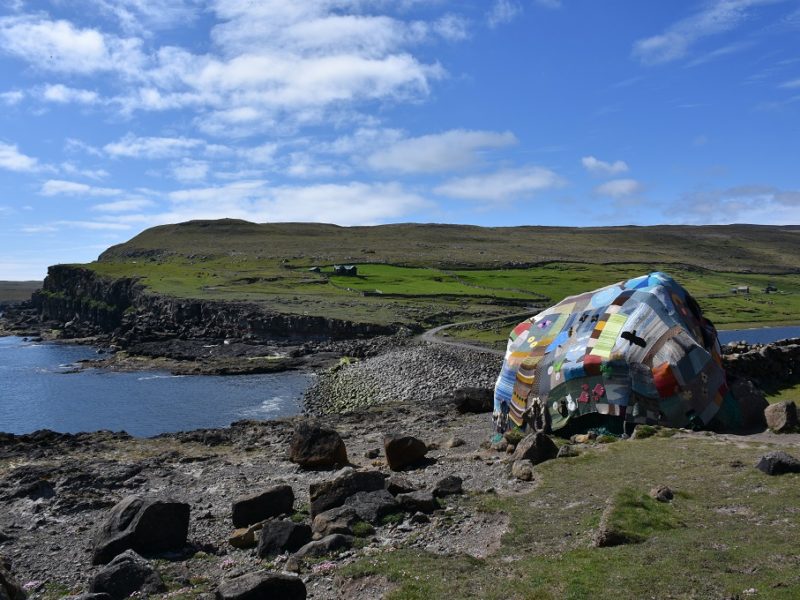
(12, 97)
(133, 146)
(742, 204)
(141, 16)
(189, 170)
(55, 187)
(454, 149)
(62, 47)
(791, 85)
(451, 27)
(600, 167)
(129, 205)
(13, 160)
(502, 185)
(354, 203)
(503, 11)
(619, 188)
(716, 17)
(71, 169)
(62, 94)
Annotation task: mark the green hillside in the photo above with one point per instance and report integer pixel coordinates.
(431, 274)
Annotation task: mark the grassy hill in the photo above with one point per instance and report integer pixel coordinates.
(430, 274)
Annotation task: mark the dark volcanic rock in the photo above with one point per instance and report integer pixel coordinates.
(778, 463)
(452, 484)
(9, 588)
(145, 525)
(316, 448)
(422, 501)
(397, 484)
(275, 501)
(473, 400)
(278, 537)
(126, 574)
(372, 506)
(781, 417)
(403, 451)
(333, 493)
(536, 447)
(262, 585)
(327, 545)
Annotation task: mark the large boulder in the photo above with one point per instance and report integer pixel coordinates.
(333, 493)
(262, 585)
(473, 400)
(314, 447)
(148, 526)
(278, 537)
(372, 506)
(126, 574)
(403, 451)
(778, 463)
(536, 447)
(750, 403)
(781, 417)
(272, 502)
(10, 589)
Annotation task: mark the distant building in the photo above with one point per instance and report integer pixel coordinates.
(347, 270)
(770, 288)
(743, 289)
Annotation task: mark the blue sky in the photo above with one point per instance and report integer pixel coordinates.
(117, 115)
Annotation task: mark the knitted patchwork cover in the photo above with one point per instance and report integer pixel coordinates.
(639, 350)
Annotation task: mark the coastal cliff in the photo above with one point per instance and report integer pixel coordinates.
(90, 304)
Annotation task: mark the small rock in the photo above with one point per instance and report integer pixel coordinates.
(452, 484)
(333, 493)
(327, 545)
(245, 537)
(778, 463)
(278, 537)
(662, 493)
(454, 442)
(536, 447)
(372, 506)
(781, 417)
(336, 520)
(419, 518)
(501, 445)
(397, 484)
(272, 502)
(473, 400)
(262, 584)
(420, 501)
(567, 451)
(372, 453)
(10, 589)
(314, 447)
(144, 525)
(403, 451)
(522, 470)
(126, 574)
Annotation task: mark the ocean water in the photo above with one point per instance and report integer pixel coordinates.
(37, 391)
(762, 335)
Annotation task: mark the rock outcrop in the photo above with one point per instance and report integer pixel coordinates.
(144, 525)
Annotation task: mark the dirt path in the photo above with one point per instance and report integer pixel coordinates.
(432, 335)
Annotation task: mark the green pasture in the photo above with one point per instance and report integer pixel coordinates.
(730, 532)
(389, 293)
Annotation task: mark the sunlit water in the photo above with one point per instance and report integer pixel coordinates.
(36, 392)
(763, 335)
